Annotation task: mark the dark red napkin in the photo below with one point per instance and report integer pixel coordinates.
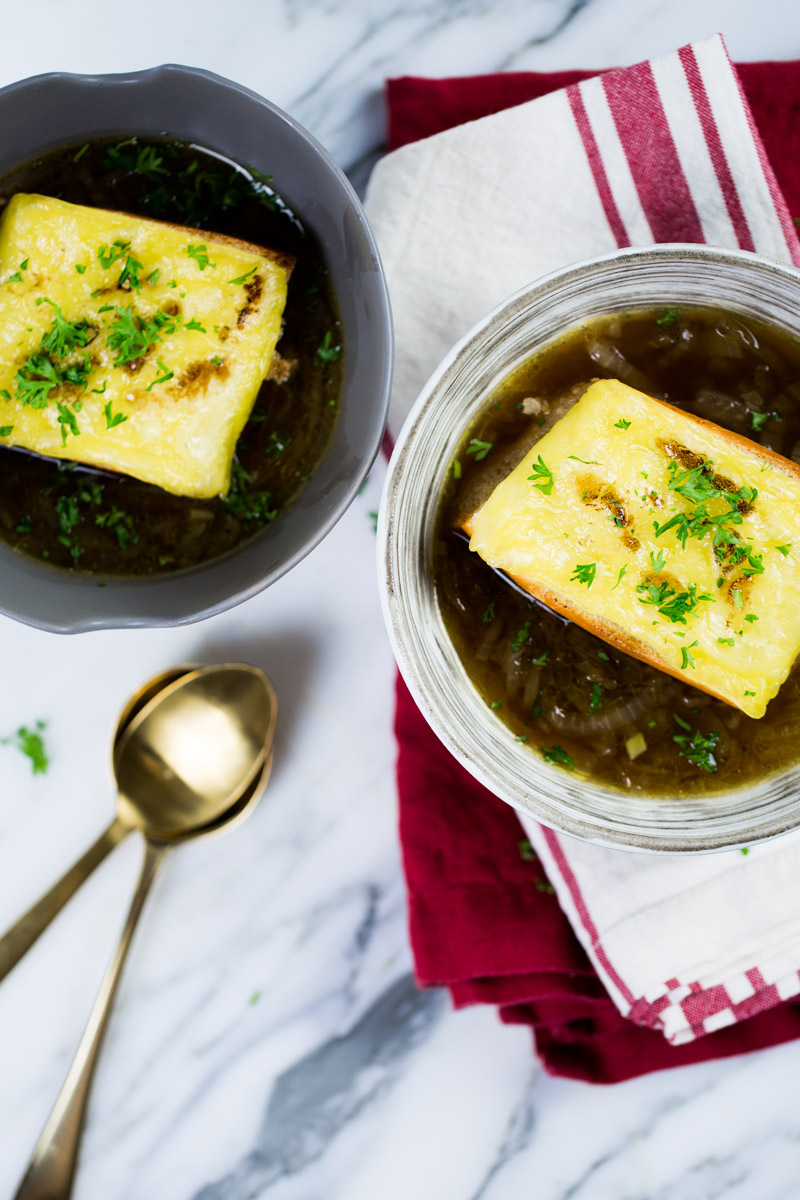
(483, 919)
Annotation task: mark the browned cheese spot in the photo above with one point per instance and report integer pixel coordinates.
(630, 542)
(136, 364)
(687, 458)
(196, 376)
(253, 289)
(742, 586)
(602, 496)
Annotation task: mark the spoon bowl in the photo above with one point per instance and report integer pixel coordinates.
(191, 751)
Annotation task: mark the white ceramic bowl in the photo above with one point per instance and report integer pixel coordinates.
(508, 336)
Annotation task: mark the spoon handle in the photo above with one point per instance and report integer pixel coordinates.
(17, 940)
(51, 1172)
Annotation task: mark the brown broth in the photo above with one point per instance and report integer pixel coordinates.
(553, 683)
(48, 509)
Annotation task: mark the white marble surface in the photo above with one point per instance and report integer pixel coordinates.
(268, 1040)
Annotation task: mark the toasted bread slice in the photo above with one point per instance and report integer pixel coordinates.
(665, 535)
(132, 344)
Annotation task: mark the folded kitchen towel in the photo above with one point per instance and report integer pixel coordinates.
(663, 151)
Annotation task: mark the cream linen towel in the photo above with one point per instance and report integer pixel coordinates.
(663, 151)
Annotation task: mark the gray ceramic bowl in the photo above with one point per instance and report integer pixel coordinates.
(450, 401)
(51, 110)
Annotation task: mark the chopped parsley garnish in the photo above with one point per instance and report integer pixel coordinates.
(699, 486)
(122, 525)
(751, 617)
(601, 654)
(671, 604)
(99, 391)
(108, 255)
(35, 380)
(194, 324)
(584, 573)
(622, 572)
(17, 276)
(784, 550)
(544, 475)
(726, 641)
(129, 276)
(558, 755)
(112, 419)
(131, 336)
(622, 424)
(163, 377)
(216, 361)
(521, 636)
(687, 659)
(697, 747)
(147, 161)
(153, 277)
(478, 448)
(596, 699)
(5, 430)
(758, 420)
(79, 155)
(541, 660)
(276, 444)
(749, 693)
(326, 351)
(30, 743)
(244, 278)
(496, 704)
(488, 614)
(63, 336)
(657, 560)
(80, 268)
(200, 255)
(67, 421)
(668, 317)
(756, 565)
(526, 851)
(587, 462)
(200, 196)
(253, 507)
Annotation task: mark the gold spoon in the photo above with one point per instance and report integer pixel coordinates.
(17, 940)
(202, 750)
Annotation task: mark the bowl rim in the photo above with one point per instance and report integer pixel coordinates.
(392, 592)
(86, 621)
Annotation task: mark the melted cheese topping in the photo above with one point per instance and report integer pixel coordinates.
(187, 398)
(588, 545)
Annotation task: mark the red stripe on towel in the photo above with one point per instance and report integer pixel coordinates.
(596, 166)
(776, 195)
(646, 139)
(577, 899)
(715, 149)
